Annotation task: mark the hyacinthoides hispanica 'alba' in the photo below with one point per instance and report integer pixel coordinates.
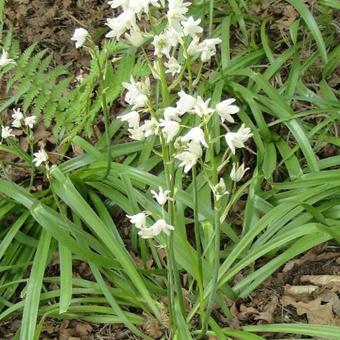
(176, 44)
(25, 123)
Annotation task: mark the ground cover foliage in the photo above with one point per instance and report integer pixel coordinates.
(283, 73)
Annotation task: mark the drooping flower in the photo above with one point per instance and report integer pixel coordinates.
(135, 38)
(191, 27)
(40, 157)
(138, 92)
(193, 47)
(154, 230)
(172, 66)
(171, 113)
(162, 45)
(195, 134)
(207, 48)
(225, 109)
(162, 196)
(79, 36)
(6, 132)
(121, 23)
(137, 133)
(220, 189)
(150, 127)
(132, 118)
(185, 103)
(237, 139)
(237, 172)
(177, 9)
(190, 156)
(201, 107)
(17, 117)
(170, 129)
(4, 60)
(139, 220)
(30, 121)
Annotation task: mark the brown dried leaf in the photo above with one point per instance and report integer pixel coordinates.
(152, 327)
(316, 312)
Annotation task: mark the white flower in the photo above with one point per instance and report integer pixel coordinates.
(138, 92)
(190, 157)
(177, 9)
(139, 220)
(118, 3)
(162, 45)
(4, 60)
(185, 103)
(237, 139)
(195, 134)
(6, 132)
(137, 133)
(201, 107)
(207, 48)
(132, 118)
(17, 116)
(161, 196)
(121, 24)
(40, 157)
(225, 110)
(156, 229)
(150, 127)
(30, 121)
(79, 36)
(237, 173)
(191, 27)
(135, 38)
(171, 113)
(220, 189)
(172, 66)
(170, 129)
(193, 47)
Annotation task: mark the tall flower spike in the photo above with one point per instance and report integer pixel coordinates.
(237, 139)
(162, 196)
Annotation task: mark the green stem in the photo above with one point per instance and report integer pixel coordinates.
(105, 111)
(174, 281)
(198, 244)
(211, 15)
(217, 237)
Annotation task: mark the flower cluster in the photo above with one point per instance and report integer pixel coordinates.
(20, 120)
(140, 219)
(189, 146)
